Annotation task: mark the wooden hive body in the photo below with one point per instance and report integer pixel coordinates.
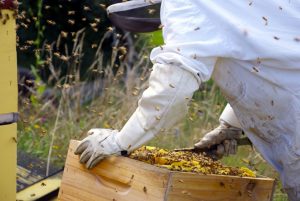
(124, 179)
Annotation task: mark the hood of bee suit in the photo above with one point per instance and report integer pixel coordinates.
(8, 4)
(136, 15)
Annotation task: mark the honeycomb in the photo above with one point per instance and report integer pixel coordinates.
(187, 161)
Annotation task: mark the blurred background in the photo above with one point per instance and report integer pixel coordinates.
(76, 71)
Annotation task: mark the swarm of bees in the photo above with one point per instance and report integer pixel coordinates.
(187, 161)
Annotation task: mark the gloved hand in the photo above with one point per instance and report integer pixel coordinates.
(99, 144)
(224, 136)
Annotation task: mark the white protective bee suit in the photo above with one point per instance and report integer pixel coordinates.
(252, 51)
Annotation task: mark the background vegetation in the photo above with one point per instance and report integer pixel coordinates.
(86, 74)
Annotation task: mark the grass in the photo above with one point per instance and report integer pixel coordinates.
(106, 99)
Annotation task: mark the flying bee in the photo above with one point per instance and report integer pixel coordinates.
(121, 57)
(110, 29)
(71, 12)
(93, 25)
(56, 54)
(102, 6)
(72, 22)
(123, 50)
(64, 34)
(51, 22)
(151, 11)
(47, 7)
(64, 58)
(24, 25)
(86, 8)
(29, 42)
(47, 47)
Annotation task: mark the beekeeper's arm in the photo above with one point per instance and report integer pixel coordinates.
(165, 102)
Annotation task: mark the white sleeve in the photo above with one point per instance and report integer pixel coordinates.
(162, 104)
(178, 71)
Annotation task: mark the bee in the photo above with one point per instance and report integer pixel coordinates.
(24, 25)
(15, 139)
(86, 8)
(93, 25)
(121, 57)
(47, 7)
(56, 54)
(29, 42)
(102, 6)
(51, 22)
(171, 85)
(123, 50)
(297, 39)
(4, 21)
(72, 22)
(47, 47)
(64, 34)
(151, 11)
(71, 12)
(276, 38)
(266, 20)
(94, 45)
(64, 58)
(160, 26)
(110, 29)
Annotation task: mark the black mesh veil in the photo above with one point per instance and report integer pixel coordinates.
(136, 15)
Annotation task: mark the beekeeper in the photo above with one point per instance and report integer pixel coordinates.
(251, 49)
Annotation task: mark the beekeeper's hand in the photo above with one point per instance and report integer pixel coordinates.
(99, 144)
(224, 136)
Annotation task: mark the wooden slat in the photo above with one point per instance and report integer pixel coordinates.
(195, 187)
(116, 178)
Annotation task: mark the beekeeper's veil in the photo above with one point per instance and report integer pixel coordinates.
(136, 15)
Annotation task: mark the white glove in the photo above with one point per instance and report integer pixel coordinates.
(224, 136)
(99, 144)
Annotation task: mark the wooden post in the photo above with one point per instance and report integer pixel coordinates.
(8, 94)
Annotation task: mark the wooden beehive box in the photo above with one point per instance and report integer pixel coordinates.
(125, 179)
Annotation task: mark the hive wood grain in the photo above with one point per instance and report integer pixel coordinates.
(125, 179)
